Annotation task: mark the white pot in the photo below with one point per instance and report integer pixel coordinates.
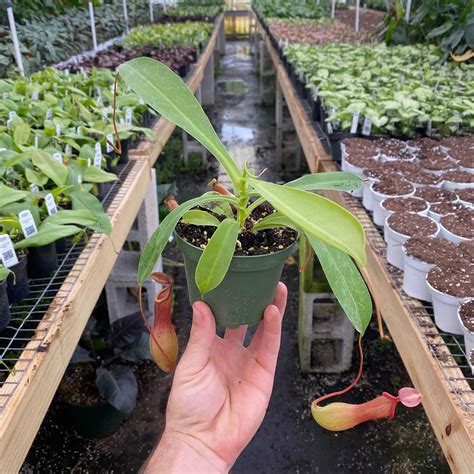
(437, 172)
(377, 198)
(414, 277)
(447, 234)
(469, 170)
(357, 171)
(367, 200)
(395, 241)
(419, 185)
(465, 203)
(468, 335)
(445, 309)
(412, 149)
(386, 213)
(452, 186)
(444, 149)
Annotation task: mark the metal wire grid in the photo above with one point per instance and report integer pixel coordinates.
(448, 349)
(34, 317)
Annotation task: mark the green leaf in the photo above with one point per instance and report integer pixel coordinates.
(84, 200)
(97, 175)
(346, 283)
(36, 177)
(9, 195)
(317, 216)
(217, 255)
(165, 92)
(440, 30)
(4, 272)
(82, 217)
(21, 134)
(159, 238)
(197, 217)
(276, 219)
(338, 180)
(47, 234)
(54, 170)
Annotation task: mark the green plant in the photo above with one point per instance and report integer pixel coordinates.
(291, 9)
(335, 234)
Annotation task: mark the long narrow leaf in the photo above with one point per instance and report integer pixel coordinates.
(197, 217)
(159, 238)
(54, 170)
(339, 181)
(217, 255)
(317, 216)
(84, 200)
(165, 92)
(47, 234)
(277, 219)
(346, 283)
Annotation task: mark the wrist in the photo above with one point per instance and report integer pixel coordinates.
(179, 453)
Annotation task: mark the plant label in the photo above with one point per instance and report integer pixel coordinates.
(90, 91)
(58, 157)
(109, 148)
(128, 116)
(27, 223)
(88, 162)
(141, 101)
(11, 114)
(98, 148)
(34, 188)
(355, 122)
(36, 141)
(79, 179)
(79, 131)
(49, 114)
(429, 128)
(329, 127)
(105, 114)
(5, 95)
(98, 160)
(68, 150)
(7, 252)
(58, 130)
(367, 127)
(50, 204)
(35, 95)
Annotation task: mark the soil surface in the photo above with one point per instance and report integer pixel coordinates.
(432, 194)
(466, 250)
(461, 223)
(443, 208)
(78, 385)
(459, 176)
(455, 278)
(409, 204)
(424, 178)
(439, 165)
(395, 186)
(430, 249)
(289, 441)
(410, 224)
(466, 312)
(466, 195)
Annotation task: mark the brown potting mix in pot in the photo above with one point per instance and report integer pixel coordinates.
(377, 171)
(426, 155)
(458, 142)
(466, 312)
(423, 177)
(360, 158)
(393, 186)
(467, 162)
(431, 249)
(358, 144)
(432, 194)
(459, 176)
(460, 224)
(407, 204)
(390, 146)
(466, 195)
(439, 165)
(463, 154)
(443, 208)
(410, 224)
(403, 167)
(261, 242)
(423, 143)
(455, 279)
(78, 385)
(466, 250)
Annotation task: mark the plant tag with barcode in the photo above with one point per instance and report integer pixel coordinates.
(27, 223)
(34, 188)
(68, 150)
(329, 127)
(49, 114)
(79, 179)
(50, 204)
(58, 130)
(7, 252)
(128, 116)
(109, 148)
(58, 157)
(367, 128)
(35, 95)
(36, 141)
(79, 131)
(98, 160)
(11, 114)
(355, 122)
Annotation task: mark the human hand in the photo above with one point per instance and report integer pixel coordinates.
(220, 392)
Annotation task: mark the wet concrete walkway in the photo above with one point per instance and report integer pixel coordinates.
(289, 440)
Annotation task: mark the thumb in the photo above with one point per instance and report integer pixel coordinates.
(203, 333)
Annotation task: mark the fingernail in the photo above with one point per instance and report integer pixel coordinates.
(198, 316)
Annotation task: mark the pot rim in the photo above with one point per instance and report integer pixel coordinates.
(416, 259)
(460, 319)
(403, 197)
(242, 257)
(438, 227)
(384, 196)
(442, 227)
(459, 299)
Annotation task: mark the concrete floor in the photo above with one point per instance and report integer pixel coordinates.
(289, 440)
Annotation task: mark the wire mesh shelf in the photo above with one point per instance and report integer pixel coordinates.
(448, 349)
(34, 317)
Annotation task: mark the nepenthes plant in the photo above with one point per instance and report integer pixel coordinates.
(221, 232)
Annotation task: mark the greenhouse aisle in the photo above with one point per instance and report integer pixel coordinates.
(289, 440)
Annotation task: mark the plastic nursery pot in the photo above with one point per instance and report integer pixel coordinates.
(448, 235)
(377, 199)
(395, 241)
(387, 213)
(247, 288)
(335, 142)
(18, 286)
(454, 186)
(5, 316)
(42, 261)
(95, 421)
(468, 334)
(414, 277)
(445, 310)
(367, 199)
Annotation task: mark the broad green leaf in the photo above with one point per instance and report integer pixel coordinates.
(47, 233)
(337, 180)
(36, 177)
(82, 217)
(277, 219)
(197, 217)
(54, 170)
(10, 221)
(165, 92)
(84, 200)
(10, 195)
(317, 216)
(346, 283)
(217, 255)
(97, 175)
(21, 134)
(4, 272)
(159, 238)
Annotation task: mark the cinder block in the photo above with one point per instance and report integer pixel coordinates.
(267, 76)
(208, 85)
(190, 146)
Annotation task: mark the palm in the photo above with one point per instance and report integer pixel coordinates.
(222, 400)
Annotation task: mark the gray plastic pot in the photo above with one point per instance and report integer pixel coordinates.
(247, 288)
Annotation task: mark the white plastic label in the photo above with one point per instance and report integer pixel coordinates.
(49, 114)
(79, 179)
(50, 204)
(58, 130)
(27, 223)
(58, 157)
(5, 95)
(35, 95)
(109, 148)
(7, 252)
(68, 150)
(11, 114)
(122, 121)
(98, 148)
(105, 114)
(329, 127)
(367, 128)
(128, 116)
(34, 188)
(88, 162)
(79, 131)
(141, 101)
(429, 128)
(98, 160)
(36, 141)
(355, 122)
